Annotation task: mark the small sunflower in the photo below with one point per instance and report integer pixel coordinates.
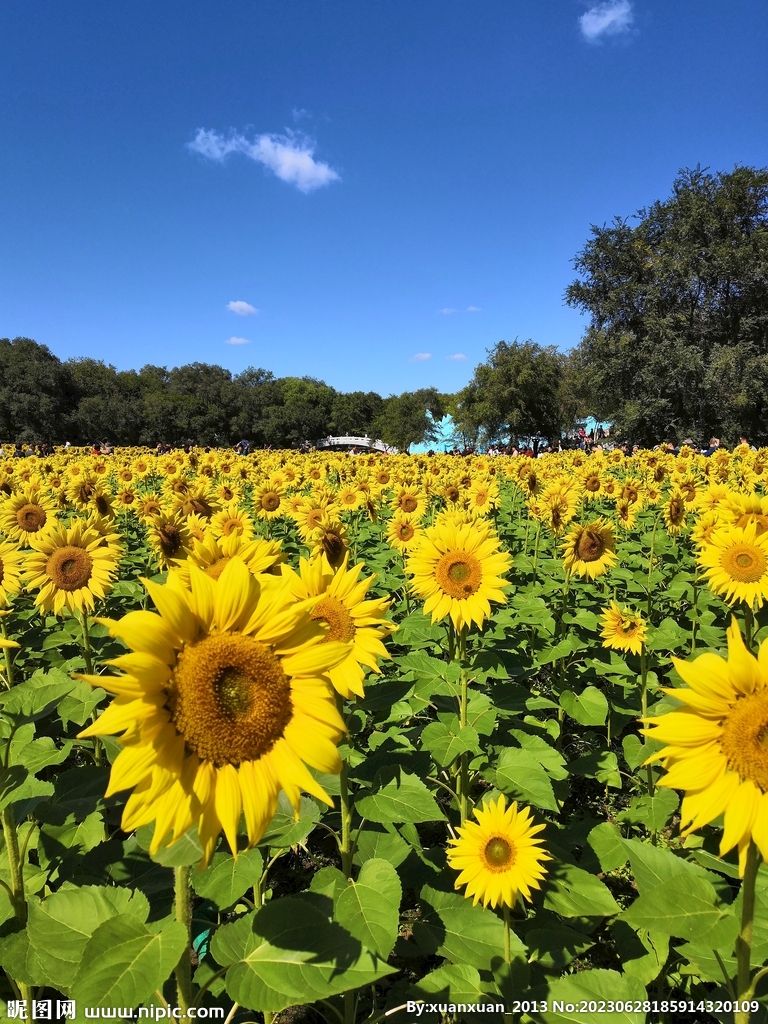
(458, 570)
(25, 514)
(169, 537)
(223, 704)
(403, 533)
(715, 750)
(498, 856)
(232, 519)
(350, 618)
(268, 501)
(735, 561)
(71, 567)
(213, 556)
(675, 512)
(589, 550)
(623, 629)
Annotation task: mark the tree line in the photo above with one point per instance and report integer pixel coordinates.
(675, 345)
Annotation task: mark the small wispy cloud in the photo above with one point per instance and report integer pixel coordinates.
(611, 18)
(457, 357)
(291, 157)
(448, 310)
(237, 341)
(420, 357)
(473, 309)
(242, 308)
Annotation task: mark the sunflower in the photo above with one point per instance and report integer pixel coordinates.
(70, 566)
(458, 570)
(169, 537)
(409, 501)
(151, 505)
(212, 555)
(675, 512)
(626, 513)
(589, 550)
(223, 704)
(623, 629)
(232, 519)
(25, 514)
(351, 618)
(267, 501)
(11, 559)
(715, 752)
(735, 561)
(741, 509)
(403, 533)
(329, 540)
(497, 856)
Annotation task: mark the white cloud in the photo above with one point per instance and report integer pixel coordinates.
(473, 309)
(242, 308)
(457, 357)
(420, 357)
(610, 18)
(447, 311)
(290, 157)
(237, 341)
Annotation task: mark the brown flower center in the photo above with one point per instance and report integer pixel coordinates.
(170, 540)
(753, 517)
(499, 854)
(231, 699)
(31, 517)
(408, 503)
(69, 568)
(590, 545)
(745, 563)
(459, 574)
(744, 738)
(217, 568)
(332, 611)
(270, 501)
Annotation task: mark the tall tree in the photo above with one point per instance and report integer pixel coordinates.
(36, 392)
(514, 394)
(403, 420)
(678, 304)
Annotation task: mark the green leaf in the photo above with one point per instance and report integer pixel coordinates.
(82, 701)
(370, 907)
(60, 926)
(124, 963)
(402, 798)
(284, 830)
(225, 879)
(452, 983)
(452, 927)
(598, 764)
(573, 892)
(574, 990)
(685, 906)
(652, 811)
(652, 865)
(643, 954)
(447, 742)
(608, 844)
(287, 953)
(80, 835)
(519, 774)
(587, 708)
(382, 844)
(34, 697)
(556, 946)
(16, 784)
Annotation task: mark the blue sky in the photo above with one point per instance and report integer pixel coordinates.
(390, 185)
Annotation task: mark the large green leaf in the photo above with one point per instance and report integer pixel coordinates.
(447, 741)
(37, 695)
(289, 952)
(403, 798)
(685, 906)
(225, 879)
(570, 997)
(452, 983)
(285, 829)
(370, 907)
(464, 933)
(587, 708)
(573, 892)
(519, 774)
(60, 926)
(608, 845)
(124, 963)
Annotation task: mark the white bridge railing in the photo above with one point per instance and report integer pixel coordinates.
(366, 443)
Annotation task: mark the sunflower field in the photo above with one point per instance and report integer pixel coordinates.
(316, 737)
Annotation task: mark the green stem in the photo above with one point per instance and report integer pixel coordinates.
(743, 946)
(183, 908)
(749, 622)
(507, 942)
(7, 655)
(695, 609)
(18, 898)
(463, 779)
(346, 847)
(650, 565)
(536, 549)
(644, 710)
(87, 654)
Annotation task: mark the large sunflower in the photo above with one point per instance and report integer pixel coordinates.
(350, 617)
(223, 701)
(458, 570)
(715, 750)
(735, 561)
(498, 856)
(589, 550)
(70, 566)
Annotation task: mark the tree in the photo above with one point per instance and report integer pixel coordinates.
(36, 393)
(515, 393)
(678, 304)
(403, 420)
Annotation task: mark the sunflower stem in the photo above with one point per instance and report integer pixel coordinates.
(7, 655)
(695, 609)
(183, 909)
(507, 942)
(650, 565)
(644, 712)
(346, 847)
(536, 549)
(18, 897)
(463, 779)
(87, 654)
(743, 946)
(749, 622)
